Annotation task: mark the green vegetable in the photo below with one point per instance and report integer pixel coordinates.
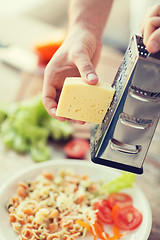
(26, 127)
(59, 130)
(40, 152)
(124, 181)
(3, 111)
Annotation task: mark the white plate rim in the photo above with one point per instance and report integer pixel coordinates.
(74, 162)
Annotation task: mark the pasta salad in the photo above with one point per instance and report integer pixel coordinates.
(64, 206)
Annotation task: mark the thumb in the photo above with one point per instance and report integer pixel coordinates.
(86, 69)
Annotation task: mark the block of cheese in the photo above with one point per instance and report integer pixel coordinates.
(84, 102)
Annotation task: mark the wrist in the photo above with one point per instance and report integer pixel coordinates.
(89, 15)
(78, 30)
(83, 25)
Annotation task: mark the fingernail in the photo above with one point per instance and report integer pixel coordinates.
(154, 46)
(53, 111)
(91, 76)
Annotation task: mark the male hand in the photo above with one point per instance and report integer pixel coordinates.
(77, 56)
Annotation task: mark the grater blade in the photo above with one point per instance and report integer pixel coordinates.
(122, 140)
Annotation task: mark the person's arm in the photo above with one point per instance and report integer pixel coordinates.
(150, 29)
(90, 15)
(79, 53)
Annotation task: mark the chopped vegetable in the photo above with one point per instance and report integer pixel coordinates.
(127, 218)
(59, 130)
(26, 127)
(117, 208)
(46, 48)
(99, 230)
(96, 229)
(104, 213)
(124, 181)
(76, 148)
(116, 232)
(119, 199)
(3, 112)
(83, 224)
(51, 202)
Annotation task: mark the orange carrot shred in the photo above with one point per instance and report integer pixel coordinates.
(98, 227)
(83, 224)
(116, 233)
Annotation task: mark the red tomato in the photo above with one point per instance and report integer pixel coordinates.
(76, 148)
(104, 213)
(120, 199)
(127, 218)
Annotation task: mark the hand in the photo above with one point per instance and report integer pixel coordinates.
(77, 56)
(150, 29)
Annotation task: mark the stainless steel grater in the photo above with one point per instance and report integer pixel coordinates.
(122, 140)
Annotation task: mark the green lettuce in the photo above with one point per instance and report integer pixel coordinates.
(126, 180)
(26, 127)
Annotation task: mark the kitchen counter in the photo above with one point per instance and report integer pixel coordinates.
(18, 85)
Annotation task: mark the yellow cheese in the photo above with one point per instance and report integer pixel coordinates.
(84, 102)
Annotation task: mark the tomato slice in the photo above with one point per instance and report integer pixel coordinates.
(127, 218)
(104, 213)
(120, 199)
(76, 148)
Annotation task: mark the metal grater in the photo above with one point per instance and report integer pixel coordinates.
(122, 140)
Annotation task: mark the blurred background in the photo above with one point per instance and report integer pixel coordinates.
(25, 27)
(124, 19)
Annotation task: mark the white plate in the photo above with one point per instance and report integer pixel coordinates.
(80, 167)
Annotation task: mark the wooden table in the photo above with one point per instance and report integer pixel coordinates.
(16, 85)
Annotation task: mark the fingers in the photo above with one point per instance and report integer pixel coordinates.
(153, 42)
(53, 82)
(151, 25)
(50, 105)
(52, 113)
(72, 60)
(151, 12)
(75, 121)
(86, 68)
(150, 29)
(49, 94)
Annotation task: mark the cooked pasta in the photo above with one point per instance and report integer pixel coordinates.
(49, 206)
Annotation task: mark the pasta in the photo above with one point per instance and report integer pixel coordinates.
(49, 206)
